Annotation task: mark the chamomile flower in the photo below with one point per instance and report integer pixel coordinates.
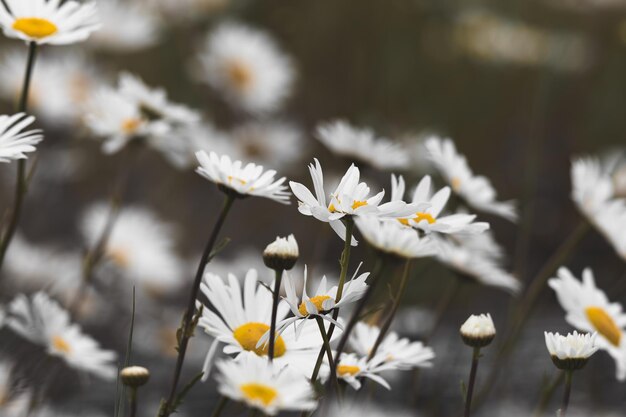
(476, 190)
(48, 21)
(430, 219)
(362, 145)
(478, 330)
(15, 142)
(249, 180)
(242, 316)
(247, 67)
(390, 237)
(264, 385)
(140, 246)
(589, 310)
(350, 198)
(42, 321)
(353, 368)
(571, 352)
(399, 352)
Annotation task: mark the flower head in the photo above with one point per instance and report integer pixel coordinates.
(48, 21)
(571, 352)
(14, 141)
(134, 376)
(390, 237)
(282, 253)
(478, 331)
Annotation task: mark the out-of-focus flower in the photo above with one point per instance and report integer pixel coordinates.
(14, 141)
(429, 220)
(479, 257)
(588, 309)
(594, 192)
(390, 237)
(234, 177)
(134, 376)
(140, 246)
(478, 330)
(282, 253)
(264, 385)
(272, 143)
(247, 67)
(362, 145)
(401, 353)
(571, 352)
(48, 21)
(360, 409)
(126, 27)
(350, 198)
(476, 190)
(352, 368)
(243, 317)
(43, 322)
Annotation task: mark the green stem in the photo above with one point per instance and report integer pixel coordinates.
(329, 354)
(20, 185)
(547, 394)
(272, 341)
(133, 402)
(220, 407)
(566, 393)
(472, 380)
(186, 327)
(394, 309)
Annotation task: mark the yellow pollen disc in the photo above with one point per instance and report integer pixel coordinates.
(231, 178)
(343, 370)
(317, 301)
(35, 27)
(119, 257)
(60, 344)
(424, 216)
(259, 393)
(358, 204)
(240, 75)
(332, 208)
(404, 221)
(130, 126)
(248, 336)
(604, 324)
(455, 183)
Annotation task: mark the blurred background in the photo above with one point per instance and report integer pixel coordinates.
(521, 86)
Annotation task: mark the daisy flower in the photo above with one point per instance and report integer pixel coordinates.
(352, 368)
(42, 321)
(240, 317)
(264, 385)
(249, 180)
(362, 145)
(48, 21)
(430, 219)
(571, 352)
(399, 352)
(476, 190)
(247, 67)
(350, 198)
(390, 237)
(588, 309)
(14, 141)
(140, 246)
(478, 330)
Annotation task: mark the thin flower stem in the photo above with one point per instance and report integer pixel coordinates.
(394, 309)
(329, 353)
(220, 407)
(472, 380)
(133, 402)
(20, 185)
(186, 326)
(566, 393)
(272, 341)
(547, 395)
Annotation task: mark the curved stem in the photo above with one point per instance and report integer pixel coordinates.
(329, 354)
(187, 323)
(566, 393)
(220, 407)
(21, 184)
(547, 394)
(272, 341)
(472, 380)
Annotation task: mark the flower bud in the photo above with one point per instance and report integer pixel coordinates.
(134, 376)
(281, 254)
(478, 331)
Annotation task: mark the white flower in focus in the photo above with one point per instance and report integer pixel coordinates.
(126, 26)
(476, 190)
(43, 322)
(248, 180)
(140, 246)
(363, 145)
(48, 21)
(570, 352)
(272, 143)
(246, 66)
(589, 310)
(14, 141)
(263, 385)
(478, 330)
(282, 253)
(390, 237)
(430, 219)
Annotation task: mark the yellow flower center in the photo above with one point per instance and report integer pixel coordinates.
(424, 216)
(231, 178)
(358, 204)
(240, 75)
(317, 301)
(259, 393)
(248, 336)
(60, 344)
(604, 324)
(350, 370)
(119, 257)
(404, 221)
(455, 182)
(35, 27)
(332, 208)
(130, 126)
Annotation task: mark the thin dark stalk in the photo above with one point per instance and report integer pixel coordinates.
(329, 354)
(394, 309)
(566, 393)
(133, 402)
(547, 394)
(472, 380)
(220, 407)
(272, 341)
(20, 185)
(187, 323)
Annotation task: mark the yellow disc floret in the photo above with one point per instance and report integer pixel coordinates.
(240, 75)
(604, 324)
(259, 393)
(35, 27)
(424, 216)
(349, 370)
(318, 302)
(60, 344)
(248, 336)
